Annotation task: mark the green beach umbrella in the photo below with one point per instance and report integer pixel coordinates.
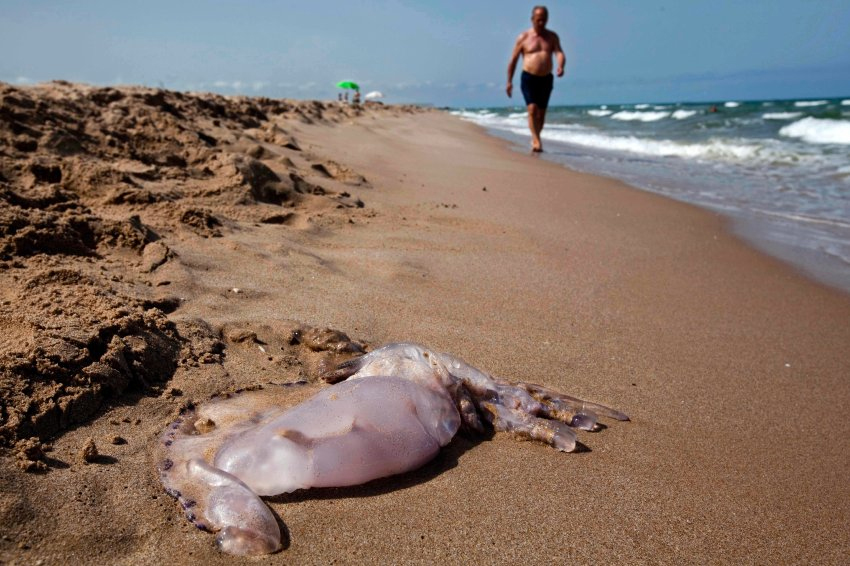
(348, 84)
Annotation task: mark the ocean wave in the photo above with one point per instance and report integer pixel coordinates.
(600, 113)
(815, 130)
(807, 103)
(628, 116)
(732, 149)
(641, 106)
(714, 149)
(682, 114)
(493, 120)
(470, 115)
(845, 102)
(729, 150)
(781, 115)
(732, 104)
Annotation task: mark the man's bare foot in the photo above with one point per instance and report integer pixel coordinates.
(536, 150)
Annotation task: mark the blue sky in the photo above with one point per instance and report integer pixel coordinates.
(442, 52)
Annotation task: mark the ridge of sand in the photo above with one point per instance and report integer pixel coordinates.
(413, 226)
(96, 184)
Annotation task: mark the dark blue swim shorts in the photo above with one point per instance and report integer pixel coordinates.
(536, 89)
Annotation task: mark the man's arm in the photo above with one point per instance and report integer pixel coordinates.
(559, 55)
(512, 64)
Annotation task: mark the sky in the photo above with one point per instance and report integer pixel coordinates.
(446, 53)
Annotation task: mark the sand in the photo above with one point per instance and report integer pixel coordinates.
(151, 242)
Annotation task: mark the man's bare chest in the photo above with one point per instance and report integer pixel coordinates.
(536, 45)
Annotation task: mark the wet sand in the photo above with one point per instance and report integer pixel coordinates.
(394, 225)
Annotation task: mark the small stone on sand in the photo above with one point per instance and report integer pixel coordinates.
(89, 452)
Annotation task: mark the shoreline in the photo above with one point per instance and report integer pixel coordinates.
(775, 236)
(731, 365)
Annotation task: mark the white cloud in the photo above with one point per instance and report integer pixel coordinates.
(23, 80)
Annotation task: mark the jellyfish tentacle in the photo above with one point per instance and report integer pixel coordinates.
(567, 403)
(552, 432)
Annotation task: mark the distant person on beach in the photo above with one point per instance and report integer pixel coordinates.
(536, 45)
(356, 97)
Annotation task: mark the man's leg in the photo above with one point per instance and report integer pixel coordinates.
(534, 125)
(541, 118)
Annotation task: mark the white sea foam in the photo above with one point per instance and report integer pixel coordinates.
(474, 115)
(732, 104)
(640, 116)
(845, 102)
(781, 115)
(803, 218)
(807, 103)
(493, 120)
(682, 114)
(815, 130)
(731, 150)
(715, 149)
(641, 106)
(600, 112)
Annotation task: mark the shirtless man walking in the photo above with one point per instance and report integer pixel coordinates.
(536, 45)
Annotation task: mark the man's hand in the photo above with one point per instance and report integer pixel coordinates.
(560, 71)
(509, 89)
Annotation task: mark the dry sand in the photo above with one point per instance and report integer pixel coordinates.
(151, 242)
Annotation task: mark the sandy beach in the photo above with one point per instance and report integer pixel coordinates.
(151, 242)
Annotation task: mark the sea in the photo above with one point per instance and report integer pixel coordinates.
(779, 169)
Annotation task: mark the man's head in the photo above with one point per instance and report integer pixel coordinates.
(539, 17)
